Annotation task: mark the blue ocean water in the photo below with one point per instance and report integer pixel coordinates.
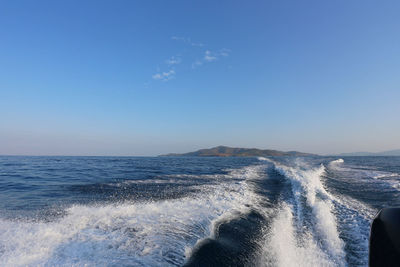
(174, 211)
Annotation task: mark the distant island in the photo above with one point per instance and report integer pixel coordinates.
(225, 151)
(384, 153)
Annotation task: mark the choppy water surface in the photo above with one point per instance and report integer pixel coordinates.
(123, 211)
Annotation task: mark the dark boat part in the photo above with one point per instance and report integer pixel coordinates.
(384, 242)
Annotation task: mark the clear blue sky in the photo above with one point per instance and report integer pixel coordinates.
(150, 77)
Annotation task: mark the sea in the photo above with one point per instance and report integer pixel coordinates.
(192, 211)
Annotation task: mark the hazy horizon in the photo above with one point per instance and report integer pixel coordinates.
(195, 149)
(155, 77)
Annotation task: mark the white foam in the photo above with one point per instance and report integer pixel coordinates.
(286, 248)
(142, 234)
(391, 178)
(336, 162)
(307, 189)
(354, 219)
(379, 175)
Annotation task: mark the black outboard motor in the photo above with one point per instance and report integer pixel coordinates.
(384, 242)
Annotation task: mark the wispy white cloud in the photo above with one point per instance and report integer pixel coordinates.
(164, 76)
(176, 38)
(212, 56)
(196, 64)
(186, 40)
(209, 57)
(224, 52)
(197, 44)
(173, 61)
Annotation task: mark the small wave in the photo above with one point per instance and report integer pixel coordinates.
(336, 163)
(144, 181)
(369, 172)
(390, 178)
(384, 175)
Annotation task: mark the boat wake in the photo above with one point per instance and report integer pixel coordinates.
(311, 224)
(156, 233)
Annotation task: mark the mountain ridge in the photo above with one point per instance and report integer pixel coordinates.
(225, 151)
